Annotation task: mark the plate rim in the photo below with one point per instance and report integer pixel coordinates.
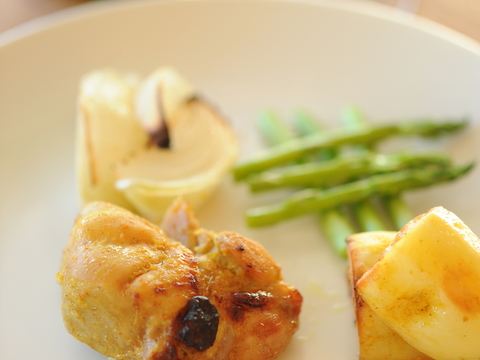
(363, 7)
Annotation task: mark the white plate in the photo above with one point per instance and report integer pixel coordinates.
(245, 55)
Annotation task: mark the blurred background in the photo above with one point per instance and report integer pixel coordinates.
(460, 15)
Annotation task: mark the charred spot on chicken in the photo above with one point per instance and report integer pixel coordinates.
(198, 323)
(242, 302)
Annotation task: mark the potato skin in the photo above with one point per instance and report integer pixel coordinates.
(376, 340)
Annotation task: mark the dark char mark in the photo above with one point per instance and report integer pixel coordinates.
(244, 301)
(197, 324)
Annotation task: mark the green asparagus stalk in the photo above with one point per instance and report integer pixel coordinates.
(366, 212)
(334, 222)
(314, 200)
(297, 148)
(272, 128)
(342, 169)
(307, 125)
(367, 216)
(396, 208)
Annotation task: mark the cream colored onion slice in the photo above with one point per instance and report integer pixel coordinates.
(107, 132)
(159, 97)
(203, 149)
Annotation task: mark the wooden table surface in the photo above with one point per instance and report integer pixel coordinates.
(460, 15)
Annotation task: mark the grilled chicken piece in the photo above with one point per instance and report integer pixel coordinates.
(132, 291)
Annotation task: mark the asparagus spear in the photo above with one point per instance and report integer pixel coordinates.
(313, 200)
(395, 206)
(334, 222)
(398, 210)
(307, 125)
(341, 169)
(367, 210)
(272, 128)
(368, 217)
(297, 148)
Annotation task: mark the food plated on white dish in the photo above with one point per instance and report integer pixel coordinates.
(247, 56)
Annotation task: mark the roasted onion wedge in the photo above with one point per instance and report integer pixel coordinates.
(203, 150)
(141, 144)
(107, 132)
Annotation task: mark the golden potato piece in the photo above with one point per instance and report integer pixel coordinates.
(376, 340)
(426, 286)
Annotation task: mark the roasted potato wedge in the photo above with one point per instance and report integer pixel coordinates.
(426, 286)
(376, 340)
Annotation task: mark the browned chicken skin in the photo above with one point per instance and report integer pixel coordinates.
(131, 292)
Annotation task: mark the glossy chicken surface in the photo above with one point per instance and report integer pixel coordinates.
(132, 291)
